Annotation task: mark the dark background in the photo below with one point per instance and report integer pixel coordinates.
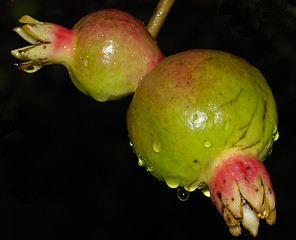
(66, 168)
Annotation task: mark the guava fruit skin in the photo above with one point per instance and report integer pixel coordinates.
(199, 107)
(118, 48)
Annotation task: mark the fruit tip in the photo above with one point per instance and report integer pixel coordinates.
(270, 220)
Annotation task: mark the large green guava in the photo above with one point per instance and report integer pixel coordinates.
(196, 111)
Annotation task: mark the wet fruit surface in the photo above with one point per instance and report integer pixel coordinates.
(107, 52)
(197, 106)
(194, 110)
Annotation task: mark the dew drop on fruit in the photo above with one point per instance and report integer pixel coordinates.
(182, 194)
(172, 182)
(132, 146)
(276, 135)
(157, 147)
(140, 161)
(206, 192)
(85, 63)
(207, 143)
(149, 169)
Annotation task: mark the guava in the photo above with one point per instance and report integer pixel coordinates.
(106, 53)
(206, 119)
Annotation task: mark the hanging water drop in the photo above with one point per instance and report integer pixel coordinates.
(276, 135)
(172, 182)
(133, 148)
(206, 192)
(182, 194)
(149, 169)
(140, 161)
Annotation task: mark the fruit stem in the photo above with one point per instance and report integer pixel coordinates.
(158, 16)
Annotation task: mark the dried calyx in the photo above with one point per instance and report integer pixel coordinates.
(242, 192)
(44, 49)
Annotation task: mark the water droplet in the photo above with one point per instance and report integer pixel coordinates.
(227, 125)
(157, 147)
(149, 169)
(276, 135)
(207, 143)
(172, 182)
(85, 63)
(140, 161)
(206, 192)
(132, 146)
(182, 194)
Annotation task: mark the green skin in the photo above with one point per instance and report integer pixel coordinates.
(194, 109)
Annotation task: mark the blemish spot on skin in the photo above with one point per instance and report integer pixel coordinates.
(196, 165)
(219, 196)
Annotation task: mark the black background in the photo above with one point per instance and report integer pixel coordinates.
(66, 168)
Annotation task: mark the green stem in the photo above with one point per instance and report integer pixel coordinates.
(159, 16)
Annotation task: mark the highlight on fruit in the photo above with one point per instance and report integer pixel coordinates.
(205, 119)
(106, 53)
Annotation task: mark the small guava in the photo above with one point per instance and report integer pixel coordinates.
(106, 53)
